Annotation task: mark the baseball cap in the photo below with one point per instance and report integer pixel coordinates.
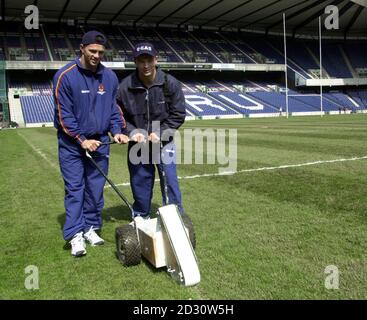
(94, 37)
(144, 48)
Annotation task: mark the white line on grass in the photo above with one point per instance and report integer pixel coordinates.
(286, 166)
(39, 152)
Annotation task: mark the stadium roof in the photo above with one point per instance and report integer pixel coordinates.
(256, 15)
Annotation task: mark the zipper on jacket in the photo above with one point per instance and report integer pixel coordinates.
(93, 102)
(147, 102)
(94, 106)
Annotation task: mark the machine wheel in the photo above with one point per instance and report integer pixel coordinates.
(127, 245)
(189, 225)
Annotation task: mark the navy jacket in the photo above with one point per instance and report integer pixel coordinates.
(141, 105)
(85, 102)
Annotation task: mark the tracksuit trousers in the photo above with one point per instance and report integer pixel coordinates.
(83, 185)
(142, 177)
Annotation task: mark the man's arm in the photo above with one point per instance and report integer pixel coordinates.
(64, 109)
(177, 110)
(117, 123)
(129, 127)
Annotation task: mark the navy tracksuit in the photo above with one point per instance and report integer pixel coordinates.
(85, 108)
(141, 106)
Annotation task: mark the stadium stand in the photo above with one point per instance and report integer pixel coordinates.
(278, 101)
(18, 85)
(355, 51)
(204, 106)
(36, 46)
(333, 60)
(208, 94)
(121, 47)
(210, 99)
(245, 104)
(165, 52)
(61, 49)
(37, 109)
(180, 46)
(187, 47)
(221, 48)
(359, 96)
(343, 100)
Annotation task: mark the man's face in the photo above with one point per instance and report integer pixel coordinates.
(146, 64)
(93, 54)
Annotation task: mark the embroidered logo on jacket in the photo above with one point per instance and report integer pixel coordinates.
(101, 89)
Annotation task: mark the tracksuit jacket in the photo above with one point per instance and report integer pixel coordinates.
(85, 108)
(141, 105)
(85, 102)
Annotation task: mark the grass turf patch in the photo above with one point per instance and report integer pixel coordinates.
(260, 235)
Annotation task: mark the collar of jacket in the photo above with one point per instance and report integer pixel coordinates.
(137, 84)
(87, 71)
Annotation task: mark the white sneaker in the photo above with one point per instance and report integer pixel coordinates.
(78, 245)
(93, 238)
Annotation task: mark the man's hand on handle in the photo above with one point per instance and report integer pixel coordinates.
(138, 137)
(121, 138)
(154, 138)
(90, 145)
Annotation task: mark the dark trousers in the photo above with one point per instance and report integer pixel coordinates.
(83, 185)
(142, 182)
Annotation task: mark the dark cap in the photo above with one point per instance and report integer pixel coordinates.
(144, 48)
(93, 37)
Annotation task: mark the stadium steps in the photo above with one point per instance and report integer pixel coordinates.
(291, 63)
(355, 96)
(23, 44)
(169, 46)
(342, 100)
(16, 113)
(354, 102)
(126, 37)
(347, 62)
(333, 60)
(237, 48)
(359, 97)
(68, 42)
(190, 113)
(324, 72)
(205, 47)
(224, 86)
(47, 44)
(258, 86)
(188, 87)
